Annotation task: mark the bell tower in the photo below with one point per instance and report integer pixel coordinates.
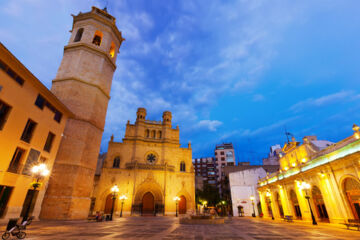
(83, 84)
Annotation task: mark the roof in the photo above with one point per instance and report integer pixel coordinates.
(321, 144)
(25, 73)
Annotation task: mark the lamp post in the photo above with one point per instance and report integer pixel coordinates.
(114, 191)
(122, 198)
(252, 202)
(39, 171)
(272, 214)
(176, 199)
(307, 186)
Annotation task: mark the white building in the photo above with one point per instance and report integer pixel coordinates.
(243, 185)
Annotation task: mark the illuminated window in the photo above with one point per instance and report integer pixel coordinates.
(79, 35)
(112, 50)
(97, 38)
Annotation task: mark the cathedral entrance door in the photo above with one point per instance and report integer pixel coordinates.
(182, 205)
(148, 203)
(108, 204)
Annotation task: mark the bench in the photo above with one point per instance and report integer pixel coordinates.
(288, 218)
(353, 223)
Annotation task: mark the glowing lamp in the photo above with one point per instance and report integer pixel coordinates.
(122, 197)
(268, 194)
(176, 198)
(252, 198)
(294, 164)
(286, 168)
(115, 189)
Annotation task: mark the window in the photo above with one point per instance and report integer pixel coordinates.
(28, 131)
(11, 73)
(57, 116)
(153, 133)
(97, 38)
(159, 134)
(112, 50)
(40, 101)
(15, 163)
(147, 133)
(221, 153)
(49, 142)
(4, 113)
(222, 159)
(79, 35)
(215, 153)
(116, 163)
(151, 158)
(32, 158)
(182, 167)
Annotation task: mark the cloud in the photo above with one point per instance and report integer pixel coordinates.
(323, 101)
(258, 98)
(211, 125)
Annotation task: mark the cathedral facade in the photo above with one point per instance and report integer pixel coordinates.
(150, 170)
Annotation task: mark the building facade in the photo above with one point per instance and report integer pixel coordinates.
(224, 156)
(243, 187)
(207, 169)
(315, 177)
(83, 84)
(273, 156)
(32, 122)
(150, 169)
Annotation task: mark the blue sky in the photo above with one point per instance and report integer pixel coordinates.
(229, 71)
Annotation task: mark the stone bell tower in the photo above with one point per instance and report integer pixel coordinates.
(83, 84)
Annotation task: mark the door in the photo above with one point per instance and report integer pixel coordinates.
(5, 193)
(29, 200)
(182, 205)
(108, 204)
(148, 203)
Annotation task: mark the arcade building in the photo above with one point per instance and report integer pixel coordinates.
(316, 182)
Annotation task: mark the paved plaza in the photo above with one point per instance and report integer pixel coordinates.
(169, 228)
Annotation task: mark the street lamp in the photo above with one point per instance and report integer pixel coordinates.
(306, 186)
(272, 214)
(252, 202)
(39, 171)
(114, 191)
(122, 198)
(176, 199)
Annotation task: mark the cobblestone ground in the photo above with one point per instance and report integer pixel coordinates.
(169, 228)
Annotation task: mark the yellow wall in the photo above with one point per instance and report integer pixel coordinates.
(22, 99)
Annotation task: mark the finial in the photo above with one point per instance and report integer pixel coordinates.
(112, 138)
(189, 144)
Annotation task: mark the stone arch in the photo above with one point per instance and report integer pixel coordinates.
(110, 159)
(350, 186)
(104, 198)
(279, 204)
(295, 203)
(187, 196)
(152, 187)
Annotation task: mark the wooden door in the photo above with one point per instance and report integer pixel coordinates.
(108, 204)
(148, 203)
(182, 205)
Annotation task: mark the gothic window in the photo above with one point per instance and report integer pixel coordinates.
(182, 167)
(97, 38)
(147, 133)
(153, 133)
(151, 158)
(79, 35)
(116, 163)
(159, 134)
(112, 50)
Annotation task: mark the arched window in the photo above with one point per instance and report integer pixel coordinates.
(116, 163)
(159, 134)
(182, 167)
(147, 133)
(153, 133)
(112, 50)
(79, 35)
(97, 38)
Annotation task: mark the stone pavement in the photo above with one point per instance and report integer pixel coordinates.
(169, 228)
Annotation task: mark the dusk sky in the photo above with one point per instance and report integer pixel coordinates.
(229, 71)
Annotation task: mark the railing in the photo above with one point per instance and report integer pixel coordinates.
(153, 122)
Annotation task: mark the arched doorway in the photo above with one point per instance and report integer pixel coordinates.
(148, 203)
(352, 192)
(108, 204)
(278, 201)
(182, 205)
(295, 204)
(319, 204)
